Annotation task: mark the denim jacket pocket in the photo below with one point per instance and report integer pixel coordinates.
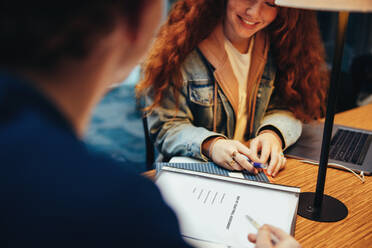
(201, 92)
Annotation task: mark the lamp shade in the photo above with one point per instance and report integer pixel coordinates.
(329, 5)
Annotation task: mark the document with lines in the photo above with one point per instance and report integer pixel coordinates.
(213, 208)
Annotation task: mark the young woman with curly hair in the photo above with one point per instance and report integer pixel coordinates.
(225, 75)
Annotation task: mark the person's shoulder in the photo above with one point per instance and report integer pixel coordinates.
(28, 132)
(194, 67)
(85, 193)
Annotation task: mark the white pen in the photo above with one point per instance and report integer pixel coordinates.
(257, 226)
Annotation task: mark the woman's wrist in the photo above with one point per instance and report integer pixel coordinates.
(207, 145)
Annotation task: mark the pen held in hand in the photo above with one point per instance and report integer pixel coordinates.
(254, 223)
(256, 164)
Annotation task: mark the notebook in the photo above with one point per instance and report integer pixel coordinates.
(349, 147)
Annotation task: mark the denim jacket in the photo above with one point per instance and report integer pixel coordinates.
(205, 109)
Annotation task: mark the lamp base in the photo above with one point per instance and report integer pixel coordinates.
(332, 210)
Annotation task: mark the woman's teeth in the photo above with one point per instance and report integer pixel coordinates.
(248, 22)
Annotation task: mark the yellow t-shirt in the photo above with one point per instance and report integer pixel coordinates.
(240, 64)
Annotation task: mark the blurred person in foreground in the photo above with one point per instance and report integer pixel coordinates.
(57, 61)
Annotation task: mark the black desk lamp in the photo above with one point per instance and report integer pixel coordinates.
(317, 206)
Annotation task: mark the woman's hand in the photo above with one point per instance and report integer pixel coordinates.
(269, 144)
(263, 238)
(230, 154)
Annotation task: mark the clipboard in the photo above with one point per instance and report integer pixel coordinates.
(212, 208)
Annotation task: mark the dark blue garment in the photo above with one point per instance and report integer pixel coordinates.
(54, 193)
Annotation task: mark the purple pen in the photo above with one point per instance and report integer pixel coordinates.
(256, 164)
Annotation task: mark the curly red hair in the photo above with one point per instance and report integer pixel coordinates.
(296, 44)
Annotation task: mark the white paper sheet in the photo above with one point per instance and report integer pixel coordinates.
(214, 210)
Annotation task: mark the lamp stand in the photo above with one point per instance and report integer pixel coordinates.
(317, 206)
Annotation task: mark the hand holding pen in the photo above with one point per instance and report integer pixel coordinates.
(268, 146)
(256, 164)
(266, 166)
(233, 155)
(272, 237)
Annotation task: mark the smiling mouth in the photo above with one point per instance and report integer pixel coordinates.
(248, 22)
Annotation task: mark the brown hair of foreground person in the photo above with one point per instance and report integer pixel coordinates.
(38, 33)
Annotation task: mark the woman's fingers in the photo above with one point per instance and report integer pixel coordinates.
(270, 151)
(244, 163)
(252, 151)
(254, 147)
(245, 157)
(265, 151)
(222, 154)
(277, 162)
(279, 166)
(233, 155)
(234, 165)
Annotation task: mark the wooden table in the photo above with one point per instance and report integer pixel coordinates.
(356, 229)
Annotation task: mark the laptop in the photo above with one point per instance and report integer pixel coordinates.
(349, 147)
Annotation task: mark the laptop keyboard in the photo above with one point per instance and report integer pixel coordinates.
(350, 146)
